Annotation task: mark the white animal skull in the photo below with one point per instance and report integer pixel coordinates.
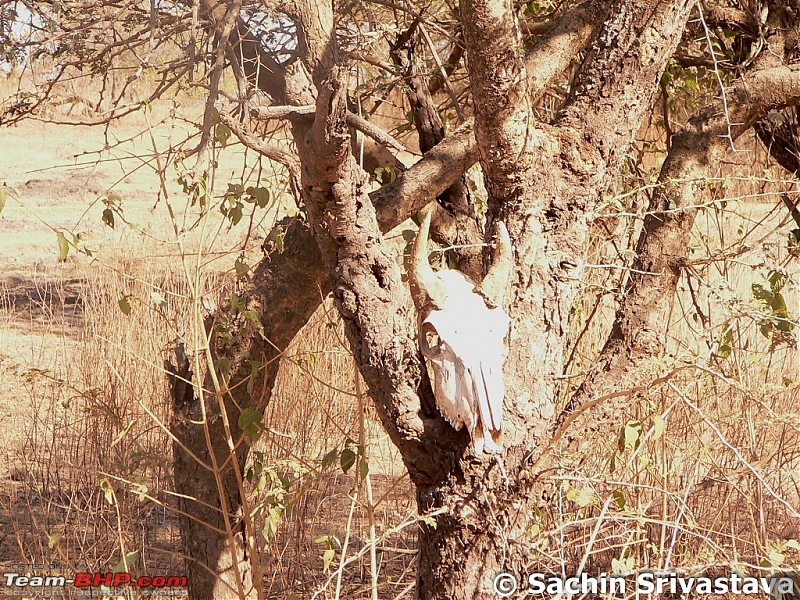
(462, 333)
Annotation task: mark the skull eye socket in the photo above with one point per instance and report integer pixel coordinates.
(429, 341)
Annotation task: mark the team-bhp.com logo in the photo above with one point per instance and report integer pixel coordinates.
(90, 580)
(120, 579)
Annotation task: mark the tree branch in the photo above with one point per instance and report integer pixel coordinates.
(288, 286)
(455, 221)
(566, 38)
(639, 330)
(618, 80)
(266, 113)
(248, 138)
(369, 292)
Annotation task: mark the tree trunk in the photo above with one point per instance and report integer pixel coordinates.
(286, 290)
(542, 183)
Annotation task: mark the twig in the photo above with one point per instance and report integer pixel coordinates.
(413, 521)
(362, 441)
(569, 418)
(249, 139)
(353, 120)
(445, 77)
(723, 96)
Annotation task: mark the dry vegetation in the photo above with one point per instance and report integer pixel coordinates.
(703, 472)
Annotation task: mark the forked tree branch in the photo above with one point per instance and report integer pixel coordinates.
(267, 113)
(271, 151)
(639, 329)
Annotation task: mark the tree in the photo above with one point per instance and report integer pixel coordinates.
(545, 178)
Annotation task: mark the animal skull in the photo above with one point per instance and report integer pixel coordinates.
(462, 333)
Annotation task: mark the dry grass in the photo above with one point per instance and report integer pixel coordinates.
(94, 415)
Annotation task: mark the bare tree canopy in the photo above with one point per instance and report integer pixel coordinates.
(596, 129)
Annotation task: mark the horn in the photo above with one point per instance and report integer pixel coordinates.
(493, 286)
(426, 288)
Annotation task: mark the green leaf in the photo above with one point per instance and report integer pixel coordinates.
(363, 465)
(280, 238)
(760, 293)
(347, 460)
(659, 426)
(252, 316)
(141, 492)
(108, 491)
(222, 133)
(623, 565)
(327, 559)
(235, 302)
(273, 521)
(619, 497)
(251, 422)
(776, 281)
(793, 239)
(255, 365)
(326, 539)
(774, 558)
(582, 497)
(235, 214)
(158, 299)
(124, 566)
(261, 484)
(223, 365)
(329, 458)
(631, 435)
(108, 217)
(259, 195)
(54, 539)
(123, 433)
(242, 270)
(429, 521)
(124, 305)
(63, 246)
(235, 190)
(778, 304)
